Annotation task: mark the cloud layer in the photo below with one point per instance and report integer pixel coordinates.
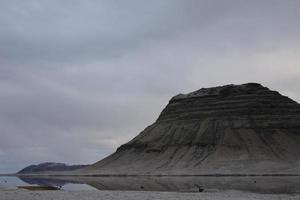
(79, 78)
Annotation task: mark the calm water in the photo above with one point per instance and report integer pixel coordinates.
(14, 182)
(275, 185)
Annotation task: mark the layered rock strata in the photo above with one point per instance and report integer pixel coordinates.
(232, 129)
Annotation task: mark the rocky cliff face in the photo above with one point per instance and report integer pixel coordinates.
(232, 129)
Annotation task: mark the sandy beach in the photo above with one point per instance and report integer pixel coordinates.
(21, 194)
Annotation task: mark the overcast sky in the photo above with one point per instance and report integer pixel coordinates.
(79, 78)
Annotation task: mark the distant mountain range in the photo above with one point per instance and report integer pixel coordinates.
(49, 166)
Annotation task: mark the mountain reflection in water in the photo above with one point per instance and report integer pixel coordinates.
(275, 185)
(44, 181)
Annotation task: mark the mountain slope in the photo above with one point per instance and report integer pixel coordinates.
(230, 129)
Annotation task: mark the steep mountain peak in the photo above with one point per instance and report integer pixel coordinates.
(227, 130)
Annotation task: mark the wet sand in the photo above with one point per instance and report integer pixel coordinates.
(21, 194)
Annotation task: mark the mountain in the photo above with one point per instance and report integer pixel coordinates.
(49, 166)
(231, 129)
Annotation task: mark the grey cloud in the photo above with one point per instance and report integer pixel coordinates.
(87, 76)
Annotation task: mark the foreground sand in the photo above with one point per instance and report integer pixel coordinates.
(19, 194)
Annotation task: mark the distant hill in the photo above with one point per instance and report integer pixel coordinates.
(49, 166)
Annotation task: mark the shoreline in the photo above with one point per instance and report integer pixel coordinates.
(148, 175)
(273, 184)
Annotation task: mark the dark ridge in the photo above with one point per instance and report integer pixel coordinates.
(49, 166)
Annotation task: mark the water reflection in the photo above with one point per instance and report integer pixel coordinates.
(55, 182)
(44, 181)
(275, 185)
